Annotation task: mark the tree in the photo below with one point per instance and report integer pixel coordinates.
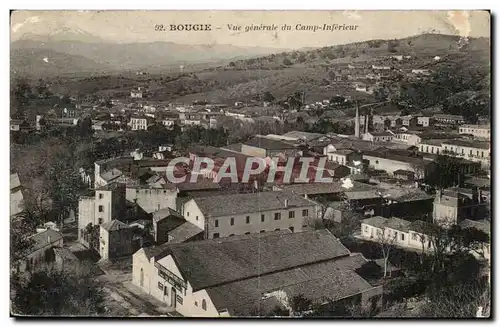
(20, 243)
(300, 304)
(386, 240)
(232, 64)
(268, 97)
(53, 293)
(301, 58)
(84, 127)
(446, 172)
(287, 62)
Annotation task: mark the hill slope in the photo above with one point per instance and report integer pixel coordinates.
(133, 56)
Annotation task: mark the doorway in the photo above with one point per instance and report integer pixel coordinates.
(174, 298)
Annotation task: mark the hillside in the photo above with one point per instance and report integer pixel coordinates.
(284, 73)
(41, 63)
(149, 56)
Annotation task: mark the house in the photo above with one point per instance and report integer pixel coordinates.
(410, 138)
(152, 198)
(345, 156)
(16, 196)
(386, 229)
(140, 122)
(170, 226)
(252, 274)
(409, 121)
(455, 204)
(261, 146)
(17, 125)
(424, 72)
(97, 125)
(115, 240)
(238, 214)
(391, 161)
(479, 131)
(375, 67)
(107, 204)
(447, 119)
(396, 231)
(40, 252)
(405, 175)
(425, 121)
(137, 93)
(378, 136)
(473, 150)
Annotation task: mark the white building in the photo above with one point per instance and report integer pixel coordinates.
(251, 275)
(229, 215)
(480, 131)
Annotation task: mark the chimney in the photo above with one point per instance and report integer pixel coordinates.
(356, 122)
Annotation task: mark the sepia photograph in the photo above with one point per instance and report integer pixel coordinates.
(250, 164)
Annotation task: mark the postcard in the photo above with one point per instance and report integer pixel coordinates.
(244, 164)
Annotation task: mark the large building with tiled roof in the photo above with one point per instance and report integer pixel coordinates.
(249, 275)
(237, 214)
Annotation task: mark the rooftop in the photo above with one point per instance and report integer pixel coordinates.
(483, 226)
(269, 144)
(227, 205)
(183, 232)
(468, 143)
(45, 238)
(210, 263)
(114, 225)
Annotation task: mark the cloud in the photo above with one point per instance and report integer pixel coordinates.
(30, 20)
(460, 21)
(352, 14)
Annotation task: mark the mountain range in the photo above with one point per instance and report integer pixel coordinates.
(67, 51)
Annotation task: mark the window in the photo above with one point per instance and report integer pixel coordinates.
(291, 229)
(100, 221)
(165, 291)
(367, 228)
(216, 235)
(101, 195)
(402, 237)
(195, 303)
(305, 213)
(376, 162)
(482, 154)
(204, 305)
(101, 208)
(160, 286)
(291, 214)
(262, 218)
(232, 221)
(142, 278)
(413, 236)
(277, 216)
(216, 223)
(247, 233)
(248, 219)
(196, 217)
(188, 213)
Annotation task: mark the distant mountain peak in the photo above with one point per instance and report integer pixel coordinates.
(64, 33)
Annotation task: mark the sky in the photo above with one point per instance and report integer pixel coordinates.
(139, 26)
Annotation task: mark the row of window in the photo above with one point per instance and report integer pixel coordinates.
(277, 216)
(217, 235)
